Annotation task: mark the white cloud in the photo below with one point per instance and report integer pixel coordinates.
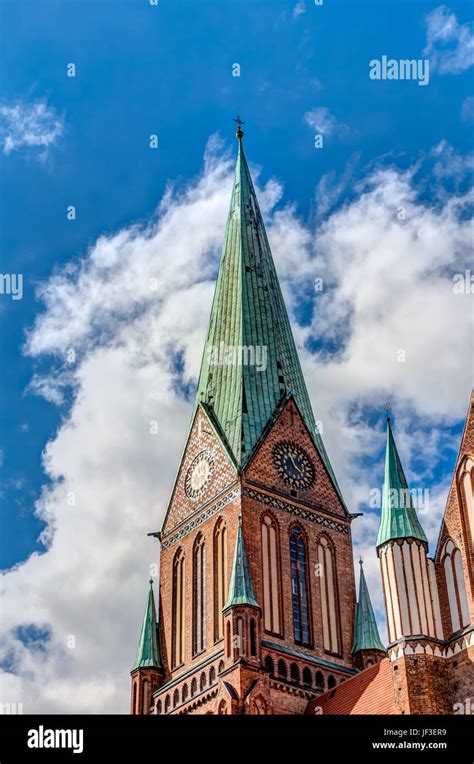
(449, 44)
(325, 123)
(110, 479)
(29, 125)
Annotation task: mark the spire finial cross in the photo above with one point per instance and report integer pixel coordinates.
(239, 122)
(387, 409)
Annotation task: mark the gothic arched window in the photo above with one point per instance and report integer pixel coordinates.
(145, 696)
(271, 576)
(268, 665)
(294, 672)
(307, 677)
(458, 607)
(220, 577)
(253, 637)
(282, 669)
(199, 595)
(329, 604)
(178, 609)
(331, 682)
(299, 587)
(319, 679)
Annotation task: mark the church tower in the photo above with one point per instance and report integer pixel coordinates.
(256, 575)
(416, 647)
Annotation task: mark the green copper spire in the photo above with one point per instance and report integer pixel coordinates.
(250, 362)
(399, 518)
(149, 653)
(366, 634)
(241, 587)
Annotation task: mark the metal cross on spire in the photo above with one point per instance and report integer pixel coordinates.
(239, 122)
(387, 409)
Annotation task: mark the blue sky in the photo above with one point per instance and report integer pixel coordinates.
(84, 141)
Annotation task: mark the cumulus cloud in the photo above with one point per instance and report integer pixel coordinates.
(34, 126)
(449, 43)
(325, 123)
(116, 333)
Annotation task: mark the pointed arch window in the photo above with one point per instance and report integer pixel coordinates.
(199, 595)
(271, 576)
(329, 600)
(453, 570)
(299, 587)
(145, 696)
(220, 577)
(178, 609)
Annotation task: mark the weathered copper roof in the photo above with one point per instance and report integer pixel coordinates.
(399, 518)
(241, 591)
(249, 316)
(149, 653)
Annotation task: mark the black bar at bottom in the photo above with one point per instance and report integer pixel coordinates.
(43, 738)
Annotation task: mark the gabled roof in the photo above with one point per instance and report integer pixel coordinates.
(241, 590)
(366, 633)
(149, 652)
(399, 518)
(248, 318)
(369, 692)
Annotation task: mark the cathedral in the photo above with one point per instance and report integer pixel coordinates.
(257, 611)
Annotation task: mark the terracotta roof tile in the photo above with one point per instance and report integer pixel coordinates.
(369, 692)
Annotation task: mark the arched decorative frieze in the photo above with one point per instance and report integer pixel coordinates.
(457, 598)
(326, 557)
(271, 568)
(220, 576)
(179, 582)
(199, 595)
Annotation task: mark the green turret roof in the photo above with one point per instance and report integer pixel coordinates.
(399, 518)
(149, 653)
(241, 587)
(249, 312)
(366, 634)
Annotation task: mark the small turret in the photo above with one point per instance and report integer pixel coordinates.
(368, 648)
(147, 671)
(242, 613)
(411, 595)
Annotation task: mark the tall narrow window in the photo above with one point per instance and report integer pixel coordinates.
(220, 577)
(271, 576)
(178, 608)
(457, 598)
(145, 697)
(253, 638)
(299, 587)
(329, 603)
(199, 595)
